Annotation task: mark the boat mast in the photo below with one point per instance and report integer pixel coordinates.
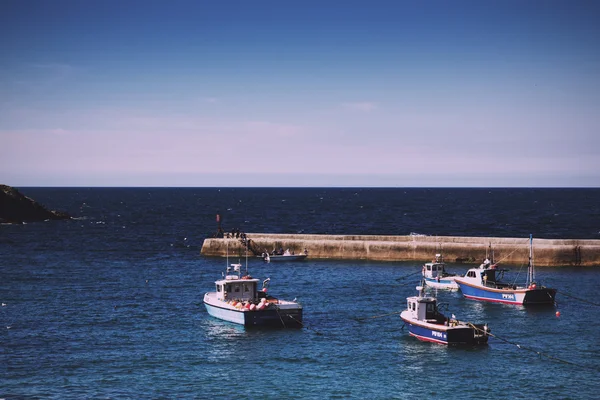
(489, 253)
(531, 276)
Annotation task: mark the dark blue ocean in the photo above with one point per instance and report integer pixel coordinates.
(109, 305)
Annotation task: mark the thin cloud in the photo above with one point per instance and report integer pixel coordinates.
(54, 68)
(59, 132)
(39, 76)
(360, 106)
(269, 130)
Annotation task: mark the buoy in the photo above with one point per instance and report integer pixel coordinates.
(557, 314)
(252, 307)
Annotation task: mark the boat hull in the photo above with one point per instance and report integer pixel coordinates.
(443, 283)
(522, 296)
(297, 257)
(271, 317)
(459, 335)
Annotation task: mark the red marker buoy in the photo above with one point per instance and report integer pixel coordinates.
(557, 314)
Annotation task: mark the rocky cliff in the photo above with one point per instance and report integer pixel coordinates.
(16, 208)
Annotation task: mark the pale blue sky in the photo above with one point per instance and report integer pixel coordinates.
(269, 93)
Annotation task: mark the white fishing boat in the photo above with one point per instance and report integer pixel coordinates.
(284, 256)
(435, 275)
(237, 299)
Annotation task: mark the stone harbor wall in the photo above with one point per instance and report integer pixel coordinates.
(515, 251)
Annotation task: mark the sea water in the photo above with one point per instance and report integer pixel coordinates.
(109, 305)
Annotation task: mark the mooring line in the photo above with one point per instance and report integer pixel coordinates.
(578, 298)
(306, 326)
(378, 316)
(539, 353)
(406, 276)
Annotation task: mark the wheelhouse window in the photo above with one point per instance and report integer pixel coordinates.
(218, 288)
(430, 311)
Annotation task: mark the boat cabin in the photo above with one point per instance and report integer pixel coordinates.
(242, 289)
(424, 309)
(474, 275)
(433, 270)
(236, 287)
(490, 277)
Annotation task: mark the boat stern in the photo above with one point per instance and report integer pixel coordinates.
(468, 334)
(540, 296)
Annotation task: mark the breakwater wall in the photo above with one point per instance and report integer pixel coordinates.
(515, 251)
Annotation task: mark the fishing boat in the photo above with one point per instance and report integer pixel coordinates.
(435, 275)
(486, 284)
(428, 324)
(237, 299)
(284, 256)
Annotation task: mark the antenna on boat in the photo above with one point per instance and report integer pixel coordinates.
(531, 274)
(421, 288)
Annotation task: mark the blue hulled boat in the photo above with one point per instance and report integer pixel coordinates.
(428, 324)
(485, 283)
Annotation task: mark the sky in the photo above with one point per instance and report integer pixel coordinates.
(300, 93)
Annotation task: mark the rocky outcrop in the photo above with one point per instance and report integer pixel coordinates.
(15, 208)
